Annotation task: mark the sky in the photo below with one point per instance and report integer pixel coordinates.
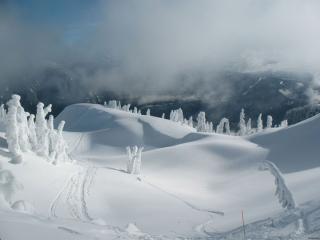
(151, 44)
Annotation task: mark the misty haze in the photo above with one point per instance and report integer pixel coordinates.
(161, 119)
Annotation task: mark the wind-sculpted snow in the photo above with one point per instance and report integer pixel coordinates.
(191, 185)
(295, 148)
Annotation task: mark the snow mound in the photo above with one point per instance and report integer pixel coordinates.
(295, 148)
(99, 127)
(23, 206)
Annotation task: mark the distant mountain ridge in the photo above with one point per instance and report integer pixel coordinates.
(281, 94)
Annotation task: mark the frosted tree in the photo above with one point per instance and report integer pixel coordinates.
(284, 123)
(248, 127)
(148, 112)
(3, 113)
(42, 129)
(32, 133)
(139, 112)
(259, 123)
(190, 122)
(60, 150)
(269, 121)
(134, 159)
(201, 122)
(282, 191)
(242, 123)
(12, 129)
(135, 110)
(163, 116)
(23, 130)
(224, 124)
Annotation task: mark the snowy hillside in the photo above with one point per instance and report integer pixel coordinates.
(192, 185)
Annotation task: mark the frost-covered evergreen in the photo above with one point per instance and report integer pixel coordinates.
(201, 122)
(12, 129)
(242, 124)
(177, 115)
(148, 112)
(284, 123)
(32, 133)
(3, 113)
(163, 116)
(190, 122)
(269, 121)
(25, 134)
(42, 130)
(259, 123)
(282, 191)
(249, 128)
(134, 159)
(224, 124)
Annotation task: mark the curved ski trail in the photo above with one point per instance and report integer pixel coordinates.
(74, 194)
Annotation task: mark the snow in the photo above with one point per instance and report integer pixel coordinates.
(191, 185)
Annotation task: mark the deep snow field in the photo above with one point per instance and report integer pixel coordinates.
(192, 185)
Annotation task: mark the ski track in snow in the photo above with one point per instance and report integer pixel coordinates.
(74, 194)
(182, 200)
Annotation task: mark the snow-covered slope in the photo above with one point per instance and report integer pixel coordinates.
(192, 184)
(295, 148)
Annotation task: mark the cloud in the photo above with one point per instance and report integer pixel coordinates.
(166, 46)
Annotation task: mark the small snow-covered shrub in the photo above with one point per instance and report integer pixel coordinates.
(134, 159)
(282, 191)
(23, 207)
(8, 185)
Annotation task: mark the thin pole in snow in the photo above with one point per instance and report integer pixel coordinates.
(243, 226)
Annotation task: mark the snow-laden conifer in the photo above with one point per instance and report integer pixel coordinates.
(269, 121)
(223, 127)
(284, 123)
(32, 133)
(242, 124)
(259, 123)
(282, 191)
(134, 159)
(12, 129)
(201, 122)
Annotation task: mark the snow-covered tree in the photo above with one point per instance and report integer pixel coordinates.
(134, 159)
(60, 147)
(282, 191)
(269, 121)
(135, 110)
(201, 122)
(259, 123)
(148, 112)
(249, 128)
(242, 124)
(42, 129)
(190, 122)
(3, 113)
(12, 129)
(23, 130)
(163, 116)
(284, 123)
(32, 133)
(224, 124)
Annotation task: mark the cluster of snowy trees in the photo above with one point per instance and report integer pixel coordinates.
(117, 105)
(26, 132)
(134, 159)
(202, 125)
